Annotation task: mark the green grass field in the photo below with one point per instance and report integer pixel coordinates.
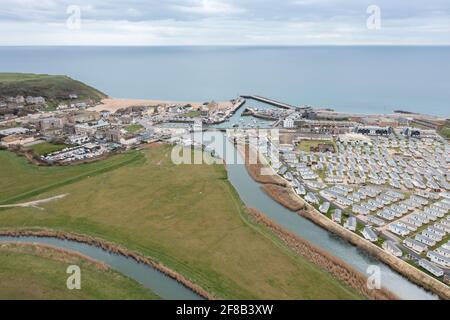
(45, 148)
(30, 272)
(134, 128)
(188, 217)
(445, 131)
(193, 114)
(49, 86)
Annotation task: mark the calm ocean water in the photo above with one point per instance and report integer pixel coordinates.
(352, 79)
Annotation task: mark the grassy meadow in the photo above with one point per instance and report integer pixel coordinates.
(34, 272)
(188, 217)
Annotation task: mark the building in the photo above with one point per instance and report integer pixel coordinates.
(398, 230)
(351, 224)
(439, 259)
(51, 123)
(288, 123)
(78, 139)
(337, 216)
(369, 234)
(324, 207)
(312, 198)
(444, 252)
(90, 129)
(13, 131)
(434, 270)
(415, 245)
(14, 140)
(392, 248)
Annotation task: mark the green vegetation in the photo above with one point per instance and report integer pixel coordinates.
(306, 145)
(188, 217)
(193, 114)
(445, 131)
(48, 86)
(45, 148)
(20, 180)
(32, 272)
(134, 128)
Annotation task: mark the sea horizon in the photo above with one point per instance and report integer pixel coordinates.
(363, 79)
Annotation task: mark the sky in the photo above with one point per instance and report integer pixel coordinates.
(225, 22)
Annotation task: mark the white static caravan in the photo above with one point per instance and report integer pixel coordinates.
(439, 259)
(415, 245)
(427, 265)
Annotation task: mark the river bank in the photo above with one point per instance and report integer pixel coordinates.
(337, 268)
(44, 249)
(112, 248)
(405, 269)
(284, 195)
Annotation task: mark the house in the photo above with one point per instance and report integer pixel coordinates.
(415, 245)
(434, 270)
(369, 234)
(398, 230)
(357, 209)
(351, 224)
(425, 240)
(376, 221)
(337, 216)
(443, 252)
(439, 259)
(312, 198)
(392, 248)
(324, 207)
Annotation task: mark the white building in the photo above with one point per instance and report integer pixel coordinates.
(415, 245)
(427, 265)
(351, 224)
(392, 248)
(398, 230)
(369, 234)
(438, 259)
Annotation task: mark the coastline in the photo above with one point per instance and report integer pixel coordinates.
(411, 273)
(115, 104)
(112, 248)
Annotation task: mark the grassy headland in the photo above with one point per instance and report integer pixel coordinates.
(51, 87)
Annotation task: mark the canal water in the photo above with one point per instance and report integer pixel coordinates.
(252, 195)
(164, 286)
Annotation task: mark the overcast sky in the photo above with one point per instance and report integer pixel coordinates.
(224, 22)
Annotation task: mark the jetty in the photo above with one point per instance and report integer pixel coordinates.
(269, 101)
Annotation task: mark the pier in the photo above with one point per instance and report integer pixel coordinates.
(269, 101)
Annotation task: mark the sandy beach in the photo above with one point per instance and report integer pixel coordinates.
(113, 104)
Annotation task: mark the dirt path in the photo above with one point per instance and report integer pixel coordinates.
(34, 204)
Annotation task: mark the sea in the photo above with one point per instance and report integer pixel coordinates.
(356, 79)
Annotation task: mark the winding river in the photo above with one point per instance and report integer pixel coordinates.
(161, 284)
